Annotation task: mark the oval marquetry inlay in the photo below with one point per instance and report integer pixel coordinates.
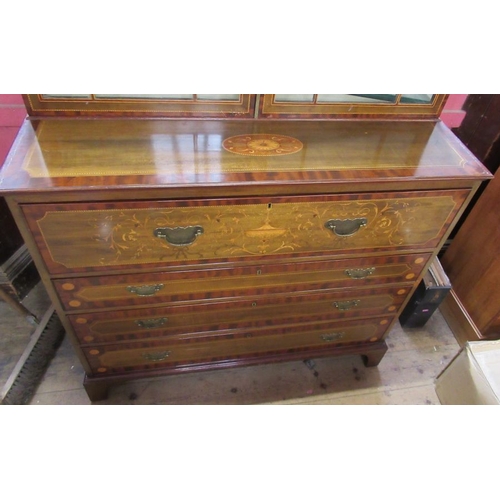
(262, 145)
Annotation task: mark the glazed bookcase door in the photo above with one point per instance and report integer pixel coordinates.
(351, 105)
(153, 105)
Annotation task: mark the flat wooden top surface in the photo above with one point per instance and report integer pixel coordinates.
(107, 154)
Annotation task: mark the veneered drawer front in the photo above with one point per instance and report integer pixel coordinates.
(84, 237)
(160, 288)
(116, 358)
(213, 319)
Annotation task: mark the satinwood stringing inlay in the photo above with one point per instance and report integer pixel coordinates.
(262, 145)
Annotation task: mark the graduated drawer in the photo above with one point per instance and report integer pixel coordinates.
(130, 356)
(213, 319)
(83, 237)
(80, 294)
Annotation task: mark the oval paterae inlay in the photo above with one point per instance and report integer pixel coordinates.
(262, 145)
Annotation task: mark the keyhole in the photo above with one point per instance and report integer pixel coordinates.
(269, 206)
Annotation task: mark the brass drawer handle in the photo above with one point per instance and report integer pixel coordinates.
(145, 290)
(151, 323)
(360, 274)
(156, 356)
(179, 236)
(345, 227)
(346, 305)
(332, 337)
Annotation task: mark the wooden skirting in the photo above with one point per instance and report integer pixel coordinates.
(459, 321)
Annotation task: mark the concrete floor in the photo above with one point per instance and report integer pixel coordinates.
(405, 376)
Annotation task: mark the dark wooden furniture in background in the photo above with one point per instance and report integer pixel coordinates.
(174, 245)
(480, 132)
(480, 129)
(472, 260)
(472, 263)
(18, 274)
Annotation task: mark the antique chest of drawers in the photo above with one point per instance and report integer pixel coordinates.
(178, 245)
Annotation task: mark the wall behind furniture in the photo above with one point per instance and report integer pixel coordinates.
(453, 114)
(12, 114)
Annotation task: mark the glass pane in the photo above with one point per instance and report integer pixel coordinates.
(66, 96)
(354, 98)
(294, 98)
(145, 96)
(218, 97)
(417, 98)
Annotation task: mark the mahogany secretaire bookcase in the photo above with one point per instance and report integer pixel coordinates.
(182, 232)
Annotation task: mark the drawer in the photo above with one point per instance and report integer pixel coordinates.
(83, 237)
(213, 319)
(78, 294)
(126, 357)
